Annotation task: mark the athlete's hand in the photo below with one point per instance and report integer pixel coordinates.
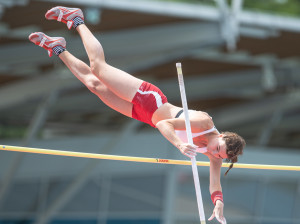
(188, 149)
(218, 213)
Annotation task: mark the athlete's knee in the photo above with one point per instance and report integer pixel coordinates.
(95, 86)
(96, 66)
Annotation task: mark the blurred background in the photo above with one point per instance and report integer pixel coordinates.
(241, 65)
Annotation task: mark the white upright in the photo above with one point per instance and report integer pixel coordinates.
(190, 141)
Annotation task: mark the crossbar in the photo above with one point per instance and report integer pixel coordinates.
(140, 159)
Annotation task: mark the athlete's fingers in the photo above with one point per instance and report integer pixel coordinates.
(189, 151)
(192, 152)
(219, 219)
(211, 217)
(189, 155)
(192, 146)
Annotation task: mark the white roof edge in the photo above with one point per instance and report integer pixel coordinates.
(270, 21)
(192, 11)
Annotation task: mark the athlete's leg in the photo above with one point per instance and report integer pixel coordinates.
(120, 82)
(83, 72)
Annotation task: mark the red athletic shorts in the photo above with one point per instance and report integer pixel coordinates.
(146, 101)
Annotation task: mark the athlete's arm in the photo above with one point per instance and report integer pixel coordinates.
(215, 174)
(167, 129)
(215, 186)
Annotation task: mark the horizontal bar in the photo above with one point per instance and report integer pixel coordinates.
(139, 159)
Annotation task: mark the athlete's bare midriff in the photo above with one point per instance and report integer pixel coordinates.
(166, 111)
(169, 111)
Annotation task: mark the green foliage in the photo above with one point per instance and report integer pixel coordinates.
(192, 1)
(8, 132)
(281, 7)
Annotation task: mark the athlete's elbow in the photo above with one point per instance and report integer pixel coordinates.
(162, 124)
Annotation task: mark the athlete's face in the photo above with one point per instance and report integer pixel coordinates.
(218, 148)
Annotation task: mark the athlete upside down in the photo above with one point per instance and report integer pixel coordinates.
(143, 101)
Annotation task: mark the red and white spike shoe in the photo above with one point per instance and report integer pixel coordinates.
(64, 14)
(47, 42)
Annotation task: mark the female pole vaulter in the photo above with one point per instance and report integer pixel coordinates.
(143, 101)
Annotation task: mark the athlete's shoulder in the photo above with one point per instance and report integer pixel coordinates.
(203, 119)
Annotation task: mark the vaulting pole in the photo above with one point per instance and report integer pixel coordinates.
(190, 141)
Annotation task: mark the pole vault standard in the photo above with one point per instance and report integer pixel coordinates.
(190, 141)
